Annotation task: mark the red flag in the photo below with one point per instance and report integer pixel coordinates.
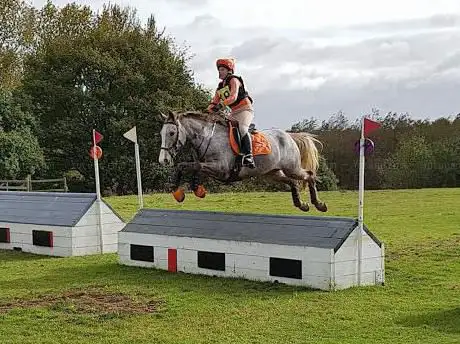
(97, 137)
(370, 126)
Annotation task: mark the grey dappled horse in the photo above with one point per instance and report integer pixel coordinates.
(294, 156)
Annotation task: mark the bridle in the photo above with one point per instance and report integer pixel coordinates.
(178, 144)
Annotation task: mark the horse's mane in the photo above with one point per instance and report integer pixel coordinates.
(204, 116)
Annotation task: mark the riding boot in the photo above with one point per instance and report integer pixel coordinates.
(246, 149)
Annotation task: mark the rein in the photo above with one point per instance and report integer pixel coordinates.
(209, 142)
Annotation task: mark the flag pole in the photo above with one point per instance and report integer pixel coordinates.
(98, 193)
(361, 200)
(138, 174)
(96, 167)
(132, 136)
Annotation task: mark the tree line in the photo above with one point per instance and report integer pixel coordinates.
(65, 71)
(408, 153)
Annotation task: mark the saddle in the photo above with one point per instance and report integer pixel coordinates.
(260, 144)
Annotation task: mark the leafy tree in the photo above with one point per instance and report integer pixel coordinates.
(410, 165)
(20, 153)
(17, 20)
(110, 76)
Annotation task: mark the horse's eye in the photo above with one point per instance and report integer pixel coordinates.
(171, 133)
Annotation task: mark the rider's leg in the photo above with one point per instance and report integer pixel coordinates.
(244, 118)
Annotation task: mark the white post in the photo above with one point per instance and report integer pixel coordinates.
(361, 200)
(138, 173)
(98, 193)
(132, 136)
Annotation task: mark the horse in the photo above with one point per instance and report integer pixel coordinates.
(293, 158)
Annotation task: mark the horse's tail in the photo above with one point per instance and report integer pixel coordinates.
(309, 156)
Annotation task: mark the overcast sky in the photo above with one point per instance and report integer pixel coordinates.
(305, 58)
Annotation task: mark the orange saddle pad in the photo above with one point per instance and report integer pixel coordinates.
(260, 144)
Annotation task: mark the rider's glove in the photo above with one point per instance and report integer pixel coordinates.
(217, 107)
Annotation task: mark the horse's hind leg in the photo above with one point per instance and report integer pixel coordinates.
(281, 177)
(321, 206)
(300, 174)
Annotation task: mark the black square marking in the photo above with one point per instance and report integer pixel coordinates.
(290, 268)
(141, 253)
(42, 238)
(211, 260)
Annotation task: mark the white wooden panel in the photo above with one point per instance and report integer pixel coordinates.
(239, 266)
(313, 254)
(158, 263)
(84, 251)
(125, 260)
(6, 246)
(241, 262)
(367, 279)
(262, 263)
(83, 231)
(123, 249)
(110, 248)
(94, 240)
(27, 229)
(256, 275)
(351, 267)
(26, 239)
(187, 256)
(92, 220)
(349, 250)
(160, 255)
(49, 251)
(90, 217)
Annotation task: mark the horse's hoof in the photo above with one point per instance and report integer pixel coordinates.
(200, 191)
(179, 195)
(304, 207)
(321, 207)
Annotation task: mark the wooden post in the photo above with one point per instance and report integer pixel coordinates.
(29, 182)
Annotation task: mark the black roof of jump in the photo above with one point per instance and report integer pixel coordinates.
(44, 208)
(312, 231)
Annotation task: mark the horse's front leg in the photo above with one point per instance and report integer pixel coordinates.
(196, 185)
(177, 190)
(196, 169)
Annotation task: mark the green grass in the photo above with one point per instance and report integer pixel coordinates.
(420, 302)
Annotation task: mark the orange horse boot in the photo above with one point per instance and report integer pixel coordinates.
(200, 191)
(179, 195)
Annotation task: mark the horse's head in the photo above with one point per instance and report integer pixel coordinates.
(173, 137)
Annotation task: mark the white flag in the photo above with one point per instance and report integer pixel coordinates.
(131, 135)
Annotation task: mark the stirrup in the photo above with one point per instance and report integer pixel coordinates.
(248, 160)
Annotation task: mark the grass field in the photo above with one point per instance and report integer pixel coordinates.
(95, 300)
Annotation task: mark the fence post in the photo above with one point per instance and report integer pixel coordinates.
(66, 189)
(29, 182)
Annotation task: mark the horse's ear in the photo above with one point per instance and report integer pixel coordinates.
(162, 116)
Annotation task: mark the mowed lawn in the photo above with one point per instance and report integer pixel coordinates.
(96, 300)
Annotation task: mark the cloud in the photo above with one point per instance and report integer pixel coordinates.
(296, 69)
(395, 66)
(282, 109)
(451, 62)
(190, 3)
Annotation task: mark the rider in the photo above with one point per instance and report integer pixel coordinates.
(232, 93)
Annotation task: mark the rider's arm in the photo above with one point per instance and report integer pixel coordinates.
(234, 87)
(215, 100)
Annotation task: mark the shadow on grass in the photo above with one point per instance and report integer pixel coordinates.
(447, 321)
(110, 273)
(17, 256)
